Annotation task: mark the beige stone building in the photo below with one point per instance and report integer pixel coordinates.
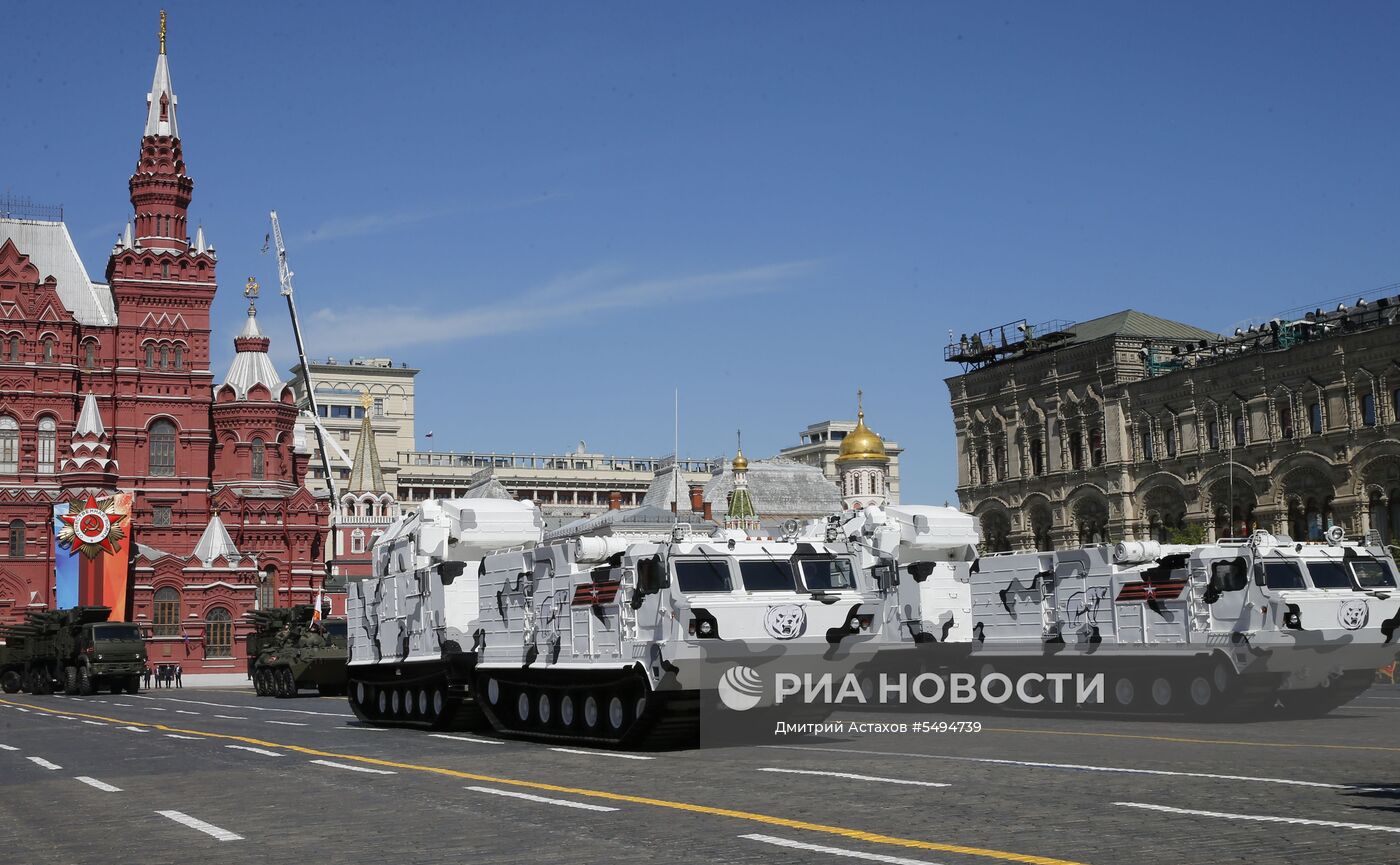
(339, 387)
(1131, 426)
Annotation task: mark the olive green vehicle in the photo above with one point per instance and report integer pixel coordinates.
(76, 651)
(289, 652)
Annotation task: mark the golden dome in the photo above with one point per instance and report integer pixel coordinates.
(740, 463)
(861, 443)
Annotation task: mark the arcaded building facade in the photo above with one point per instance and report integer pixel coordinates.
(1132, 426)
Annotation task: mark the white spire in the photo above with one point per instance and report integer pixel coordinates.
(199, 239)
(127, 236)
(216, 542)
(161, 102)
(251, 364)
(90, 420)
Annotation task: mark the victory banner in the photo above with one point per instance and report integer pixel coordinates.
(92, 553)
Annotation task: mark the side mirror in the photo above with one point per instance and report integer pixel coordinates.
(921, 571)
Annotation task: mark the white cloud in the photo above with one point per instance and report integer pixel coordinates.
(566, 299)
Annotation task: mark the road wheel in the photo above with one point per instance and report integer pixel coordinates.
(1201, 692)
(590, 712)
(544, 709)
(43, 682)
(10, 682)
(289, 683)
(259, 682)
(1124, 692)
(70, 681)
(566, 710)
(86, 686)
(617, 715)
(1162, 691)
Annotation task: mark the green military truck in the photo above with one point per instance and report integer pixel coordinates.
(289, 651)
(77, 651)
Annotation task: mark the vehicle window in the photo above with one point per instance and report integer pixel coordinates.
(1371, 574)
(766, 575)
(703, 576)
(822, 575)
(336, 629)
(1283, 575)
(1329, 575)
(1229, 576)
(117, 632)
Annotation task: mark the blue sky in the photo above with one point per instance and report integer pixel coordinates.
(563, 211)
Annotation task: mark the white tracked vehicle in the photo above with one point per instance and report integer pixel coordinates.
(1217, 629)
(411, 625)
(617, 640)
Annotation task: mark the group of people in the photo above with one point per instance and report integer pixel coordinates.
(165, 675)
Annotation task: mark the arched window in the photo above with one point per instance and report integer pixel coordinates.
(48, 444)
(267, 588)
(165, 617)
(1076, 450)
(1239, 431)
(48, 349)
(218, 634)
(1315, 418)
(357, 541)
(1169, 439)
(9, 445)
(150, 356)
(983, 468)
(89, 354)
(1368, 409)
(165, 357)
(1037, 457)
(10, 344)
(16, 550)
(259, 460)
(999, 457)
(1147, 453)
(1096, 451)
(162, 449)
(179, 356)
(165, 270)
(1285, 421)
(1213, 435)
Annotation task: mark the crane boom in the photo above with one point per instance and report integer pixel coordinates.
(284, 276)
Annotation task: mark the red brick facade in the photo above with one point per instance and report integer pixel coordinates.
(203, 459)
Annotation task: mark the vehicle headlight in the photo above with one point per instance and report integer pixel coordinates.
(99, 656)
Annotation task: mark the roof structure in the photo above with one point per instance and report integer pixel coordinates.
(1131, 323)
(161, 102)
(251, 365)
(90, 419)
(366, 476)
(50, 249)
(780, 488)
(216, 542)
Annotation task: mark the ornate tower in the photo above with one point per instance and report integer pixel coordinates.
(162, 290)
(367, 507)
(741, 514)
(862, 466)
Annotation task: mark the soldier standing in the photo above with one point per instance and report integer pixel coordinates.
(179, 672)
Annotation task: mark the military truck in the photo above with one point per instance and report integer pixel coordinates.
(290, 650)
(75, 650)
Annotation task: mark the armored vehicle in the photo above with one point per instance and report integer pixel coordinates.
(411, 625)
(1225, 629)
(290, 650)
(75, 650)
(619, 638)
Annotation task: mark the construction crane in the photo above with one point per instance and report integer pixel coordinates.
(284, 276)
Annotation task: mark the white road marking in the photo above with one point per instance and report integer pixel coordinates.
(854, 777)
(101, 785)
(185, 712)
(93, 723)
(8, 748)
(602, 754)
(253, 708)
(465, 739)
(1261, 818)
(263, 751)
(206, 828)
(230, 717)
(287, 723)
(155, 708)
(561, 802)
(123, 705)
(40, 761)
(136, 729)
(178, 736)
(18, 709)
(354, 768)
(836, 851)
(1079, 767)
(65, 717)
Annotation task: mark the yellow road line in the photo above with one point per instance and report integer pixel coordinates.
(856, 834)
(1255, 744)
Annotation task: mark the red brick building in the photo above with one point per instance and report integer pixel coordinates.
(106, 387)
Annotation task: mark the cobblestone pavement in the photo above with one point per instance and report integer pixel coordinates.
(224, 776)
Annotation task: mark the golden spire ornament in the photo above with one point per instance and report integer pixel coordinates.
(162, 31)
(250, 291)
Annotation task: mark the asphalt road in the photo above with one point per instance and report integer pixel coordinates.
(223, 776)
